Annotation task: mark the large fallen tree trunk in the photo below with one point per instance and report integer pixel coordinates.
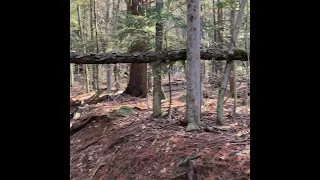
(152, 56)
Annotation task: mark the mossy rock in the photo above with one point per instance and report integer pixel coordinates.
(125, 111)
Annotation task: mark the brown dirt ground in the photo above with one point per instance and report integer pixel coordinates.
(144, 148)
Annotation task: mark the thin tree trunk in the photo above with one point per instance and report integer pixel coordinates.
(170, 91)
(214, 40)
(193, 105)
(91, 19)
(109, 79)
(219, 65)
(87, 77)
(78, 70)
(93, 67)
(232, 82)
(202, 77)
(108, 67)
(224, 80)
(156, 66)
(215, 37)
(85, 67)
(97, 43)
(213, 71)
(71, 68)
(246, 97)
(71, 75)
(115, 17)
(116, 75)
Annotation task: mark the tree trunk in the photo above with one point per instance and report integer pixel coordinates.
(193, 104)
(97, 43)
(87, 77)
(138, 81)
(232, 83)
(85, 67)
(107, 20)
(220, 65)
(224, 80)
(213, 71)
(246, 97)
(215, 37)
(202, 78)
(156, 66)
(116, 5)
(116, 75)
(71, 75)
(219, 23)
(109, 79)
(91, 47)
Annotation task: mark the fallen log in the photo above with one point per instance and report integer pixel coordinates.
(79, 125)
(74, 103)
(94, 99)
(152, 56)
(102, 98)
(76, 107)
(76, 126)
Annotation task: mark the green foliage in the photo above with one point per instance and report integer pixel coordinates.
(130, 28)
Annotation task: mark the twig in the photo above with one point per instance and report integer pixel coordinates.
(179, 175)
(221, 129)
(239, 143)
(190, 157)
(88, 145)
(104, 130)
(115, 154)
(96, 170)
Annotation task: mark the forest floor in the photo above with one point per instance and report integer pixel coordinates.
(145, 148)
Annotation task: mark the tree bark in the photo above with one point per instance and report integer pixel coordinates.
(219, 65)
(109, 79)
(232, 83)
(193, 105)
(224, 80)
(246, 97)
(138, 81)
(85, 67)
(156, 66)
(87, 77)
(97, 43)
(152, 56)
(116, 5)
(215, 37)
(91, 47)
(71, 75)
